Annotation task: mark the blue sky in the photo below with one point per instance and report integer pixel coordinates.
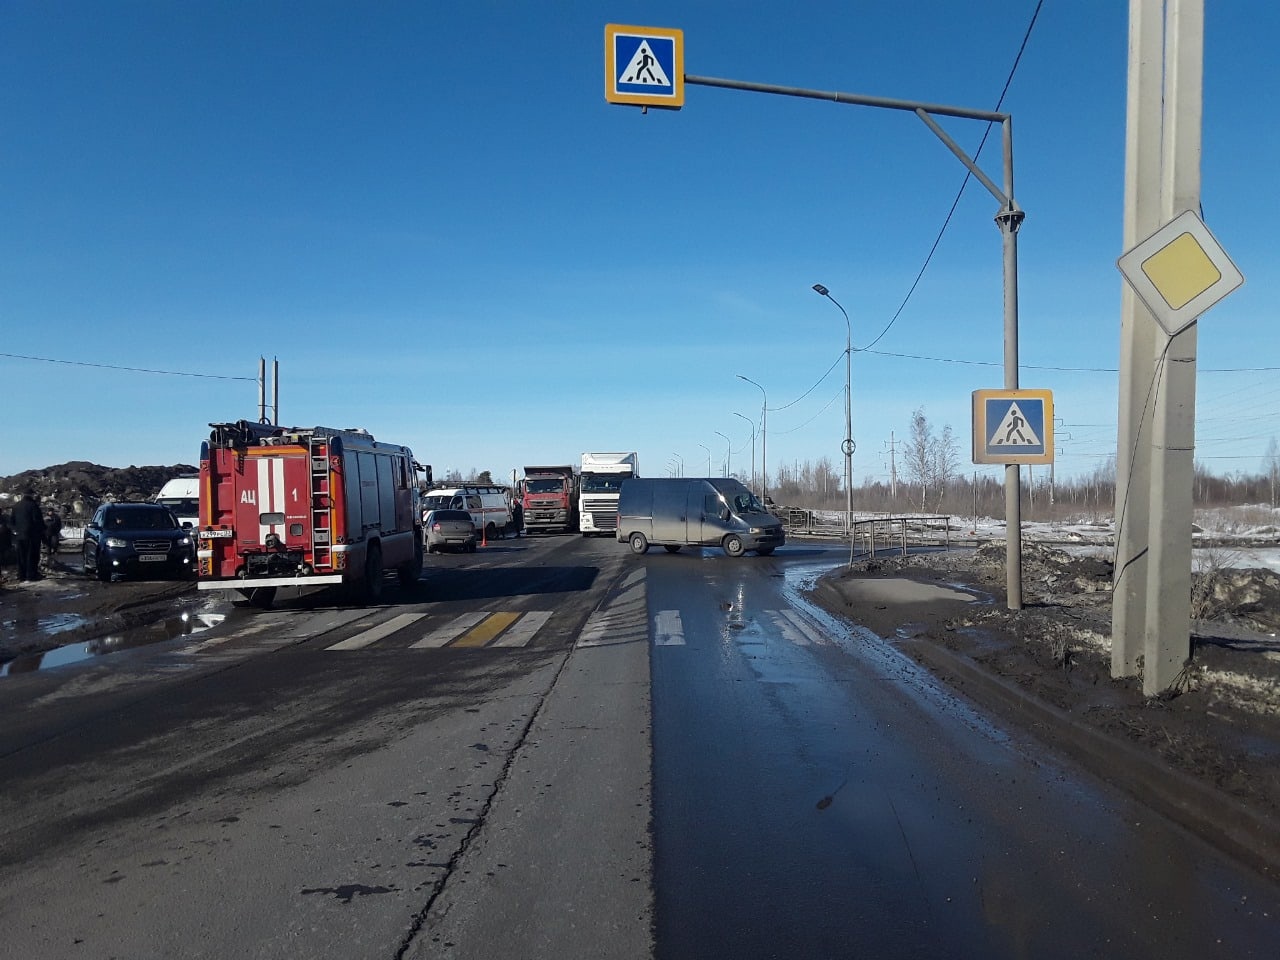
(430, 216)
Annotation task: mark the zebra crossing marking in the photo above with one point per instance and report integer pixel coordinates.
(523, 631)
(486, 630)
(374, 634)
(450, 631)
(793, 627)
(668, 629)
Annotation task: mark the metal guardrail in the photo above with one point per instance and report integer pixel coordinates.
(872, 535)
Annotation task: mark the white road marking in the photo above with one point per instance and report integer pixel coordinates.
(807, 634)
(451, 631)
(522, 631)
(374, 634)
(668, 629)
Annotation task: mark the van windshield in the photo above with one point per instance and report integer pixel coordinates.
(746, 502)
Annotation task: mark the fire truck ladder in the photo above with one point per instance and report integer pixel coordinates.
(321, 504)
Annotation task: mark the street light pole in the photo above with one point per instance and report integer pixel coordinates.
(708, 449)
(764, 439)
(728, 452)
(681, 460)
(753, 447)
(847, 446)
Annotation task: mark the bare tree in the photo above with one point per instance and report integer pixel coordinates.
(931, 461)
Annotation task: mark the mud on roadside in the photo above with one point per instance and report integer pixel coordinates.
(67, 607)
(1221, 726)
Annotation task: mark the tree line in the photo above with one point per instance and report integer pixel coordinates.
(928, 476)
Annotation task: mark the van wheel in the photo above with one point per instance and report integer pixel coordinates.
(733, 545)
(491, 531)
(638, 543)
(672, 548)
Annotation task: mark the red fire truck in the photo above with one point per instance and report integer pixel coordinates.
(308, 508)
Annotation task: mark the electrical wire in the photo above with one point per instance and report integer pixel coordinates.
(968, 175)
(109, 366)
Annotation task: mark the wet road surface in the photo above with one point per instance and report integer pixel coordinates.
(465, 772)
(817, 795)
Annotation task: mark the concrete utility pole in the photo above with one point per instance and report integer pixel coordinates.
(1151, 610)
(893, 468)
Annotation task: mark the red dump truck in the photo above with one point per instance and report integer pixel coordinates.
(549, 496)
(306, 507)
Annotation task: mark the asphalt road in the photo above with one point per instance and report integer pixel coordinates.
(554, 748)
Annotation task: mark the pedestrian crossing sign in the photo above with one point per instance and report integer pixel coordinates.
(644, 66)
(1013, 426)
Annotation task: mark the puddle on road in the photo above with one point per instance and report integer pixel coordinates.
(183, 624)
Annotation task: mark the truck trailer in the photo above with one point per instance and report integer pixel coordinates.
(306, 508)
(601, 479)
(549, 498)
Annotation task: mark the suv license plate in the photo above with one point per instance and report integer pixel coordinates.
(153, 557)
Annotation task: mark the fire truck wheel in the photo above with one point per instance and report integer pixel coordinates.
(411, 571)
(372, 586)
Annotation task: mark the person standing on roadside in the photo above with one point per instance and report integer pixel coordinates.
(6, 543)
(28, 534)
(52, 534)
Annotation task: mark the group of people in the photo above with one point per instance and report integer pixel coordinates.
(24, 532)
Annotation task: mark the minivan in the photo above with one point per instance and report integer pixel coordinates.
(675, 512)
(182, 496)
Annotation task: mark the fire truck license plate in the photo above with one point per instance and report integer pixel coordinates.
(216, 534)
(152, 557)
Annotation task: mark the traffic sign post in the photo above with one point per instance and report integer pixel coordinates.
(644, 66)
(1013, 426)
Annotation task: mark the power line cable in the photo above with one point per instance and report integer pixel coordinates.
(968, 175)
(109, 366)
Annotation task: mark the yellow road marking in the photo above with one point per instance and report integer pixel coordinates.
(482, 633)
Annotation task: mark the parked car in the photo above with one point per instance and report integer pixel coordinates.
(137, 539)
(449, 530)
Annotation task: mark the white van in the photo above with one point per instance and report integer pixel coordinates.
(182, 496)
(489, 505)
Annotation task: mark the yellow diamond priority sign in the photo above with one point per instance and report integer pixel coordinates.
(1179, 272)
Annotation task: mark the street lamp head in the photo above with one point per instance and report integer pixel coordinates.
(822, 291)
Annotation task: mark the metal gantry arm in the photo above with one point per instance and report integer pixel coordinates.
(1009, 219)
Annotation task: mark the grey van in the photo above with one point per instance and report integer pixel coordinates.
(692, 511)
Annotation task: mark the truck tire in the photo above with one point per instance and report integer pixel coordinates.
(411, 570)
(733, 545)
(369, 587)
(638, 543)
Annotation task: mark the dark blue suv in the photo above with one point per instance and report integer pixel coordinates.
(137, 539)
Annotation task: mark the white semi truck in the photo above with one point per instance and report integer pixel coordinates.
(600, 480)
